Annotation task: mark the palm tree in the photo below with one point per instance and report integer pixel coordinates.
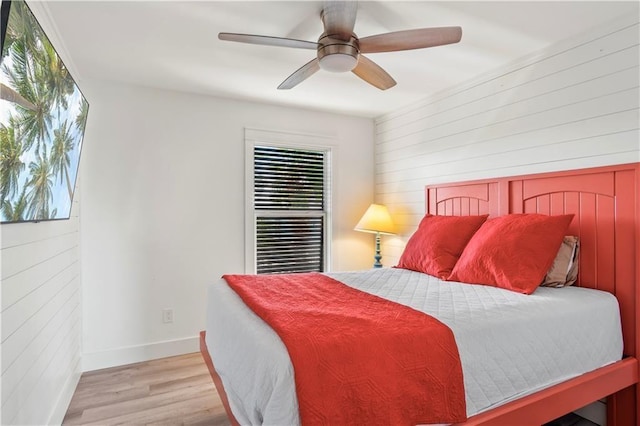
(34, 74)
(21, 29)
(11, 164)
(34, 122)
(54, 75)
(39, 184)
(10, 95)
(60, 160)
(15, 212)
(81, 119)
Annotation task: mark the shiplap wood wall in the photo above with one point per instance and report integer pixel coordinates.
(41, 311)
(570, 106)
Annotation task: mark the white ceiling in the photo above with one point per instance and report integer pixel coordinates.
(174, 45)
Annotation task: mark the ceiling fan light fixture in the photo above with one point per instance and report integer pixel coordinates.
(338, 62)
(338, 47)
(337, 55)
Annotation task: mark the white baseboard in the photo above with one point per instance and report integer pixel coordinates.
(138, 353)
(60, 409)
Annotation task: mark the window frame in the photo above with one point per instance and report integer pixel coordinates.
(279, 139)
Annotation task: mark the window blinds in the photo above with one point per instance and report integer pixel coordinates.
(289, 205)
(288, 179)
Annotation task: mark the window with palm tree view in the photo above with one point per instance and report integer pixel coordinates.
(42, 121)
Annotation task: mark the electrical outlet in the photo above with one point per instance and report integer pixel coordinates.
(167, 315)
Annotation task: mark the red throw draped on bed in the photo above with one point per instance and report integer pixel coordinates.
(358, 358)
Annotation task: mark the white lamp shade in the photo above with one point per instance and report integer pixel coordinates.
(376, 219)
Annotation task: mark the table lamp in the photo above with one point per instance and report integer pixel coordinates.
(376, 220)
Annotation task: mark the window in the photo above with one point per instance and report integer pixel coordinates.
(289, 217)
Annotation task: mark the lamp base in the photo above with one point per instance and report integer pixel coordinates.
(378, 256)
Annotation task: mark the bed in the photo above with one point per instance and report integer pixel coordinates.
(605, 203)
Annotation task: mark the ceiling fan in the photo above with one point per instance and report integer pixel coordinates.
(340, 50)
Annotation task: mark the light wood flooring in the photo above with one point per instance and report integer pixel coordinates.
(168, 391)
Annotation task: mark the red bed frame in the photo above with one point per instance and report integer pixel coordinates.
(606, 204)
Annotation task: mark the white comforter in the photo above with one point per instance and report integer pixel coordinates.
(510, 344)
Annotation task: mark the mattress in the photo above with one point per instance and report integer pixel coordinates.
(510, 344)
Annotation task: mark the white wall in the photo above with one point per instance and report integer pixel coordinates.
(41, 325)
(571, 106)
(163, 210)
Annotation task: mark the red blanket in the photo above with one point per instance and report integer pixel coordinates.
(358, 358)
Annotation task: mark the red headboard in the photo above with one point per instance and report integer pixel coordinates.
(606, 204)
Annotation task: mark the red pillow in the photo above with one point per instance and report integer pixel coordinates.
(437, 244)
(512, 252)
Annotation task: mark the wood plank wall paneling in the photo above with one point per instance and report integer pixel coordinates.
(573, 105)
(40, 323)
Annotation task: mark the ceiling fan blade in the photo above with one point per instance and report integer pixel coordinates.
(339, 18)
(373, 74)
(304, 72)
(410, 39)
(268, 40)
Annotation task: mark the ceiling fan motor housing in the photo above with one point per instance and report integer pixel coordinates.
(337, 55)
